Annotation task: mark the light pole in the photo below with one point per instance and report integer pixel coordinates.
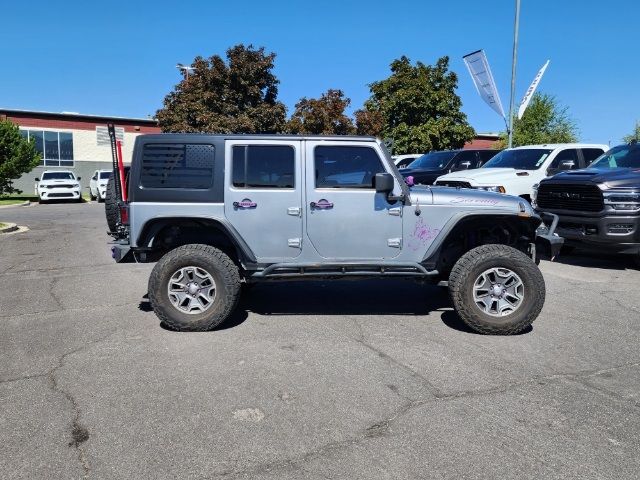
(513, 71)
(185, 70)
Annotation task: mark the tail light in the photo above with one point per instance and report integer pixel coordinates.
(124, 214)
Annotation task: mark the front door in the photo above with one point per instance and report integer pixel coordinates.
(345, 218)
(263, 199)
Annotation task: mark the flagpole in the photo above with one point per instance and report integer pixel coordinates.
(513, 71)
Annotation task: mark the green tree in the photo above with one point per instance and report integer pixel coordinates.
(17, 156)
(635, 135)
(417, 108)
(544, 121)
(322, 116)
(236, 96)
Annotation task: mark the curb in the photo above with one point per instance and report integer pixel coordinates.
(23, 204)
(11, 227)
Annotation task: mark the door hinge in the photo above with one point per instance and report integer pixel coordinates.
(294, 242)
(396, 211)
(294, 211)
(394, 242)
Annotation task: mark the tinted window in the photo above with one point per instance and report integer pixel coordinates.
(465, 161)
(523, 159)
(405, 161)
(434, 160)
(263, 166)
(590, 154)
(624, 156)
(486, 155)
(58, 176)
(569, 155)
(105, 175)
(177, 165)
(346, 167)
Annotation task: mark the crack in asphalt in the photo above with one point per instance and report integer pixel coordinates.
(55, 297)
(383, 426)
(79, 433)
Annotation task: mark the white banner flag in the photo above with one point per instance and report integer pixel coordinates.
(531, 90)
(479, 69)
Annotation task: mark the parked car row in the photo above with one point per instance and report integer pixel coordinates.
(594, 191)
(64, 185)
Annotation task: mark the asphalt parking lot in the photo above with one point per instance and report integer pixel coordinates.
(352, 380)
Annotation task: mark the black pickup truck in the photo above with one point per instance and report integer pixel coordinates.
(598, 206)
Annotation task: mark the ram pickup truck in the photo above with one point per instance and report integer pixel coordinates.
(216, 211)
(516, 170)
(599, 206)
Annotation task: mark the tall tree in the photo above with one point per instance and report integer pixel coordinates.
(417, 108)
(635, 135)
(322, 116)
(236, 96)
(17, 156)
(544, 121)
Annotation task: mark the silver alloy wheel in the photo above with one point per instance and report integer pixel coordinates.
(191, 290)
(498, 292)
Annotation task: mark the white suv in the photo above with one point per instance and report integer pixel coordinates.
(58, 185)
(516, 170)
(98, 184)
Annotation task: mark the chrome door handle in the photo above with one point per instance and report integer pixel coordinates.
(321, 204)
(245, 204)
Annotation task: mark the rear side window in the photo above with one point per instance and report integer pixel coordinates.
(177, 165)
(263, 166)
(346, 167)
(590, 154)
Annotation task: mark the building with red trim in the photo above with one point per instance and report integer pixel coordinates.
(74, 141)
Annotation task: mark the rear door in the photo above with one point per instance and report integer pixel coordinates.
(345, 218)
(263, 196)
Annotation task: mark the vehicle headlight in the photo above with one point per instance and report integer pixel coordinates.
(494, 188)
(622, 199)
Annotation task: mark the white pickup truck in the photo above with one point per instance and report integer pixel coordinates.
(516, 170)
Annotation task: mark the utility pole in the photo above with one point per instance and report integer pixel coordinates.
(513, 71)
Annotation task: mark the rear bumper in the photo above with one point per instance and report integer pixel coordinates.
(122, 253)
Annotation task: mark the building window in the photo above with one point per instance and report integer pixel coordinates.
(55, 148)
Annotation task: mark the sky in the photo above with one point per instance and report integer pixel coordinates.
(118, 58)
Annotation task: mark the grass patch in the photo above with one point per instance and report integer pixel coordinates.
(15, 199)
(2, 225)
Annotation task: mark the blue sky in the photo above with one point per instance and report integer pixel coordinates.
(118, 58)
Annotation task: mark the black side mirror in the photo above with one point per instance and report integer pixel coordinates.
(37, 179)
(79, 178)
(383, 182)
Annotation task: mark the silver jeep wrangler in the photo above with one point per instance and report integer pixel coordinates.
(216, 211)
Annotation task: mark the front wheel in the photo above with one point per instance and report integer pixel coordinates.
(497, 289)
(194, 288)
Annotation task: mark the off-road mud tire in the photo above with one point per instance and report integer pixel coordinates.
(469, 267)
(224, 272)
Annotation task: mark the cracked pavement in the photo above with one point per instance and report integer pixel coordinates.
(367, 379)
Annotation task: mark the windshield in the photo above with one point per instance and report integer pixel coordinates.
(58, 176)
(524, 159)
(105, 175)
(624, 156)
(432, 160)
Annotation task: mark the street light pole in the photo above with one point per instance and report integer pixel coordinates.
(513, 71)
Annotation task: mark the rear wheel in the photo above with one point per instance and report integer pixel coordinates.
(194, 288)
(497, 289)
